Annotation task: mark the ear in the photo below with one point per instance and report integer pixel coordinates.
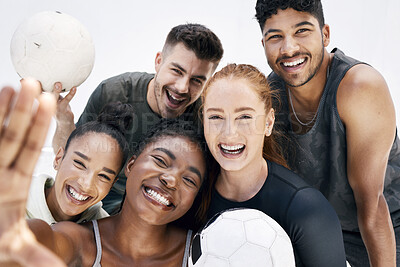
(158, 61)
(326, 35)
(58, 158)
(129, 165)
(270, 122)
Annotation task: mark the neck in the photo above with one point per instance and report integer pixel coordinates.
(54, 207)
(150, 241)
(304, 100)
(309, 94)
(243, 184)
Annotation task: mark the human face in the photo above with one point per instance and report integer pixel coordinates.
(294, 45)
(235, 121)
(179, 80)
(85, 172)
(164, 179)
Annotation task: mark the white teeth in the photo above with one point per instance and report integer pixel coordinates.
(293, 63)
(174, 98)
(232, 149)
(156, 196)
(76, 195)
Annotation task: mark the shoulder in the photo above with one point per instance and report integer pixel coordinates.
(74, 242)
(128, 77)
(302, 195)
(286, 177)
(361, 86)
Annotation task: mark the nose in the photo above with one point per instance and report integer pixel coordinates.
(169, 180)
(86, 183)
(289, 46)
(182, 85)
(229, 128)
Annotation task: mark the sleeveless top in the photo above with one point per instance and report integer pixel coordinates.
(99, 249)
(320, 155)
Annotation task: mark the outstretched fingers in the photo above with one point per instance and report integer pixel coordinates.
(17, 123)
(36, 135)
(6, 96)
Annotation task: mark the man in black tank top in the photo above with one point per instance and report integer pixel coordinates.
(339, 120)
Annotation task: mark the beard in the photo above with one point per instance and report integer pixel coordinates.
(311, 73)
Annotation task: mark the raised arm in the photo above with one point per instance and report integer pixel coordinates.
(22, 135)
(64, 117)
(367, 111)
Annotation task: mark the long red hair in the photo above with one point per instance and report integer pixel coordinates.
(259, 83)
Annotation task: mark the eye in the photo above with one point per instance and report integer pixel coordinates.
(275, 36)
(80, 164)
(197, 81)
(302, 31)
(245, 117)
(177, 71)
(189, 181)
(103, 176)
(160, 161)
(215, 117)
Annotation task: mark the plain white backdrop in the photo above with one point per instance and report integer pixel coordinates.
(128, 33)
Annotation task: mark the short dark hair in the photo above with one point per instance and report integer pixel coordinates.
(114, 120)
(197, 38)
(266, 8)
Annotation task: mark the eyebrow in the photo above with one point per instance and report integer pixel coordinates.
(109, 170)
(82, 155)
(172, 156)
(236, 110)
(176, 65)
(166, 151)
(295, 26)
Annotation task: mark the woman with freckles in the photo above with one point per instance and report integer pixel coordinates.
(250, 171)
(164, 176)
(86, 170)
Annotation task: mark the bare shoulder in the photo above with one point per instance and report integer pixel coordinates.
(75, 242)
(363, 88)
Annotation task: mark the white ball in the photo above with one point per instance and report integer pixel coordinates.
(53, 47)
(241, 237)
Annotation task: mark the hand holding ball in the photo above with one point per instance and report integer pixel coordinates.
(53, 47)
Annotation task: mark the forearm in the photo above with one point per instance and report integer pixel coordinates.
(63, 131)
(378, 235)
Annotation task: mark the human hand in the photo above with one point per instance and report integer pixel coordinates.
(24, 125)
(64, 113)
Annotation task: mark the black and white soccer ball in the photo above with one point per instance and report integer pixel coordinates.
(241, 237)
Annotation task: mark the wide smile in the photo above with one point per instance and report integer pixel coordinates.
(293, 65)
(158, 198)
(174, 100)
(231, 151)
(77, 197)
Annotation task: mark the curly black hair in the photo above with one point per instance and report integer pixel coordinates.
(266, 8)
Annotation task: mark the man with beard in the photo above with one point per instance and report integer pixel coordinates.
(190, 55)
(339, 120)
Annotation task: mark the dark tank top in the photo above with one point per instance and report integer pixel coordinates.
(320, 155)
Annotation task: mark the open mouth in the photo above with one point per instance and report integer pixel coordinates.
(174, 99)
(157, 197)
(292, 65)
(231, 150)
(75, 195)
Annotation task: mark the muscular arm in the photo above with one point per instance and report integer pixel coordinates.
(367, 111)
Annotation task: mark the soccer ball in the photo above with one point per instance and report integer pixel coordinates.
(241, 237)
(53, 47)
